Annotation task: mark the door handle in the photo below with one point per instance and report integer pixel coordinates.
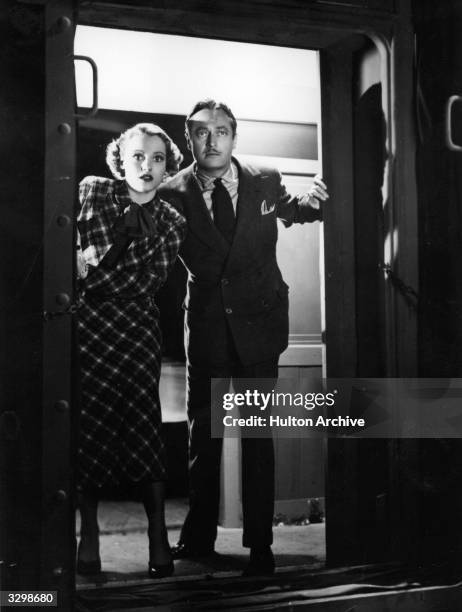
(451, 145)
(94, 69)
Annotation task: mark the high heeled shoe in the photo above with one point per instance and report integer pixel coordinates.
(160, 571)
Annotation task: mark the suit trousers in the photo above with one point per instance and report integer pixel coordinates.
(200, 527)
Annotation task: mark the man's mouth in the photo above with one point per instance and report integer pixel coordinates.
(211, 152)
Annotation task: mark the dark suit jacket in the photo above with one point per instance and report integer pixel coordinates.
(240, 286)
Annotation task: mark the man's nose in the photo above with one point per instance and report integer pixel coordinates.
(211, 139)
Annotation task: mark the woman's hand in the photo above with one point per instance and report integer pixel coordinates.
(82, 267)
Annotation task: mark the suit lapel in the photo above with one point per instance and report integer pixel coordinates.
(199, 221)
(248, 212)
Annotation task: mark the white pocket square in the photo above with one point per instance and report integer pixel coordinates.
(265, 209)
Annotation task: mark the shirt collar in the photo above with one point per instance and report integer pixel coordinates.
(207, 182)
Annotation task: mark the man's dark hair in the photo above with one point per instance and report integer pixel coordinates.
(212, 105)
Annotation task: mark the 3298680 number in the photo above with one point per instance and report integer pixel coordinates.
(28, 598)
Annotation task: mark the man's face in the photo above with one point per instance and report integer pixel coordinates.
(211, 140)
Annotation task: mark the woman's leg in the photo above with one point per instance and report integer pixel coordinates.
(153, 497)
(89, 531)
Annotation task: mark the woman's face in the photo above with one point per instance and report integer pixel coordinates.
(144, 160)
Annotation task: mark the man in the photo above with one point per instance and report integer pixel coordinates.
(236, 314)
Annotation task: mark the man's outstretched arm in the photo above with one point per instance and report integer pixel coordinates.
(302, 208)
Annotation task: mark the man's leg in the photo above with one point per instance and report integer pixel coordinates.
(258, 477)
(257, 491)
(199, 531)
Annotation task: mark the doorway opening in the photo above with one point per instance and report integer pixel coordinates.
(275, 95)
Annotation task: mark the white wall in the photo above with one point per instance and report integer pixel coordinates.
(142, 71)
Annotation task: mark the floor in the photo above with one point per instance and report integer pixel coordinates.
(215, 584)
(124, 547)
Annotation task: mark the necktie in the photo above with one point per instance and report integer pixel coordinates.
(223, 212)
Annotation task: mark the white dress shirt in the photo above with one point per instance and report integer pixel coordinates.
(230, 180)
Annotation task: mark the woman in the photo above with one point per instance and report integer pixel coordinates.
(129, 239)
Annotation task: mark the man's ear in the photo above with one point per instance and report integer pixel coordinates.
(234, 141)
(188, 140)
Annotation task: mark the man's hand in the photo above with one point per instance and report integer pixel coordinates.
(317, 193)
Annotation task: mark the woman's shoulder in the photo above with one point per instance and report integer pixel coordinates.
(98, 185)
(95, 196)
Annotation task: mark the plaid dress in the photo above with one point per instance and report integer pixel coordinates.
(120, 339)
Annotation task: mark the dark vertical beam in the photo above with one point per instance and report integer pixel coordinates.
(22, 102)
(356, 508)
(36, 241)
(404, 261)
(437, 468)
(369, 169)
(439, 173)
(339, 260)
(342, 536)
(58, 543)
(404, 255)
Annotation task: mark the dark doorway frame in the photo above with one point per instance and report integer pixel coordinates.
(315, 25)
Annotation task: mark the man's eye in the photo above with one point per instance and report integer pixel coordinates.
(201, 133)
(222, 132)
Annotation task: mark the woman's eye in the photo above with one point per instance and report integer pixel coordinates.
(138, 156)
(159, 159)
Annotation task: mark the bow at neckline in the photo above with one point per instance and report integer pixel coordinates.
(137, 221)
